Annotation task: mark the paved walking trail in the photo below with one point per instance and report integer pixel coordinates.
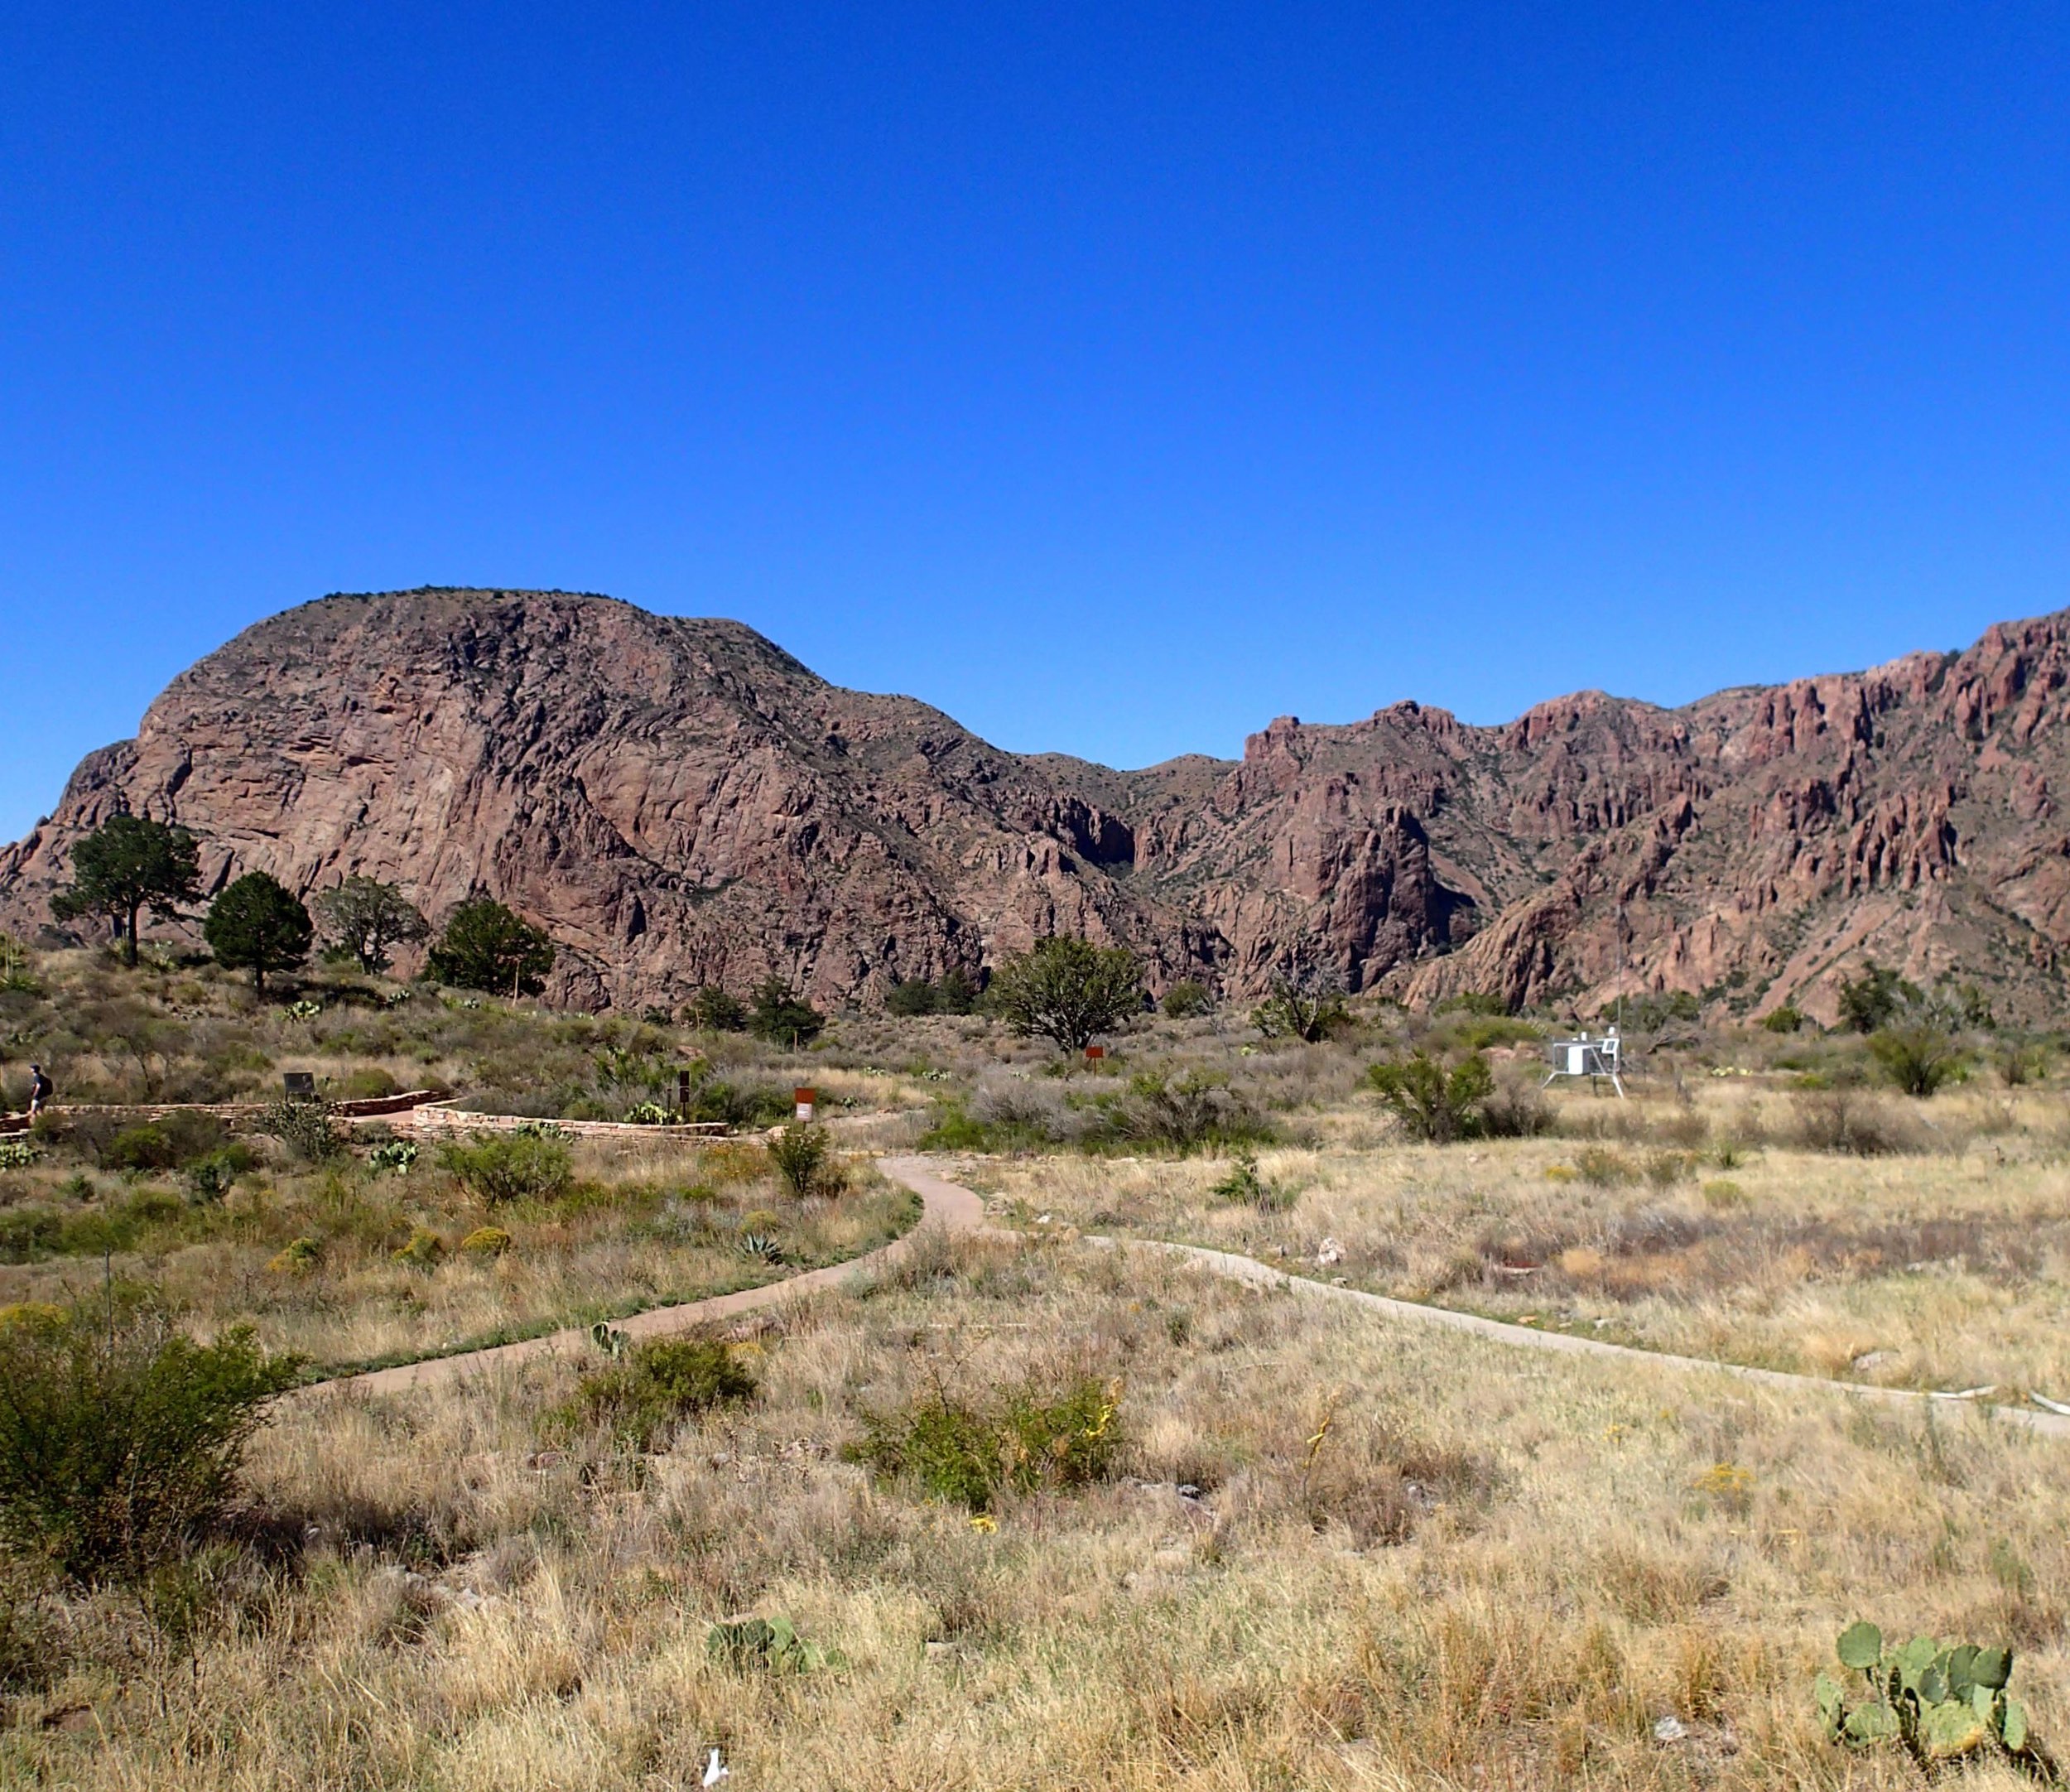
(955, 1209)
(942, 1204)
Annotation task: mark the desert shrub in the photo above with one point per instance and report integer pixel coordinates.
(394, 1157)
(915, 997)
(1306, 1003)
(802, 1156)
(1602, 1167)
(968, 1453)
(138, 1148)
(1722, 1192)
(489, 1242)
(121, 1445)
(1665, 1168)
(299, 1256)
(423, 1249)
(1184, 1113)
(1019, 1111)
(305, 1129)
(1784, 1019)
(370, 1082)
(653, 1388)
(1842, 1119)
(210, 1178)
(1918, 1058)
(1187, 999)
(497, 1167)
(1515, 1109)
(1430, 1102)
(1245, 1185)
(1871, 1001)
(712, 1009)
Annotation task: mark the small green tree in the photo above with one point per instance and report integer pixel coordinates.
(365, 918)
(1871, 1001)
(915, 996)
(259, 925)
(1067, 990)
(1786, 1019)
(1305, 1004)
(956, 993)
(1434, 1104)
(127, 864)
(1919, 1057)
(121, 1443)
(783, 1017)
(716, 1011)
(485, 945)
(1187, 999)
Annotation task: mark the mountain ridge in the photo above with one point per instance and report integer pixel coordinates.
(682, 801)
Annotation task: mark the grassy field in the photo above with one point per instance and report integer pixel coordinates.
(1946, 1267)
(1490, 1570)
(1046, 1513)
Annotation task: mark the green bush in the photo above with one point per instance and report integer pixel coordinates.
(1871, 1001)
(1306, 1005)
(967, 1454)
(1184, 1113)
(497, 1167)
(783, 1017)
(1784, 1019)
(140, 1148)
(1434, 1104)
(1918, 1058)
(120, 1445)
(652, 1388)
(1187, 999)
(917, 997)
(802, 1156)
(209, 1178)
(370, 1082)
(717, 1012)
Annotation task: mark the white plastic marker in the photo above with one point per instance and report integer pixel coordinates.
(2046, 1405)
(715, 1771)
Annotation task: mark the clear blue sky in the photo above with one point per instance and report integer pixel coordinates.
(1115, 376)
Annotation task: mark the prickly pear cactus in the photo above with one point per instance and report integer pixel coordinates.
(1941, 1701)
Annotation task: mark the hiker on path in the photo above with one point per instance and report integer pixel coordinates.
(40, 1090)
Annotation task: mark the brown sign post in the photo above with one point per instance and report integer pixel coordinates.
(1094, 1053)
(806, 1100)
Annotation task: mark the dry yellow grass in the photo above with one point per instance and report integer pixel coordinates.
(1493, 1570)
(1947, 1269)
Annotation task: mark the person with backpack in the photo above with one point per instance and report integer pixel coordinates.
(40, 1090)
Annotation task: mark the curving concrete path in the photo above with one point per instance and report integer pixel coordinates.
(943, 1204)
(915, 1173)
(953, 1208)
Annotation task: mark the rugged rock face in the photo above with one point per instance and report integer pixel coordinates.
(681, 802)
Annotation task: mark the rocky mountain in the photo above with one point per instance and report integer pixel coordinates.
(681, 802)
